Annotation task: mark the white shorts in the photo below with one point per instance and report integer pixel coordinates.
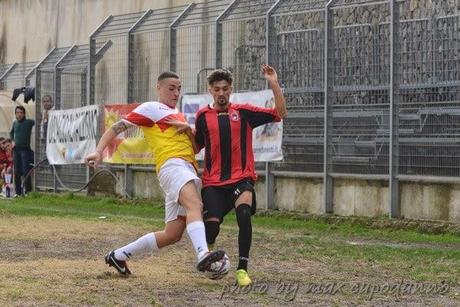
(173, 175)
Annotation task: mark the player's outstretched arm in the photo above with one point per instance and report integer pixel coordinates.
(272, 78)
(95, 158)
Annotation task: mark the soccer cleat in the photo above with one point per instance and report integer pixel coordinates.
(120, 265)
(242, 277)
(208, 259)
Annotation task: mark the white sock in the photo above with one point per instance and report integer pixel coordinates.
(197, 234)
(145, 244)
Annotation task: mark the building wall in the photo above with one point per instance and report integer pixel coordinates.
(30, 28)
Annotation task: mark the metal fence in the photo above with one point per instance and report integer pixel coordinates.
(297, 50)
(429, 113)
(372, 91)
(372, 87)
(45, 84)
(62, 75)
(242, 42)
(195, 34)
(14, 75)
(152, 50)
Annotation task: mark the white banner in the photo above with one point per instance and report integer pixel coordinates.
(71, 134)
(266, 139)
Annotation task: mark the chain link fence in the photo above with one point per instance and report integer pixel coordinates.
(297, 41)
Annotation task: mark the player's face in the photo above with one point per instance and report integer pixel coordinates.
(220, 92)
(169, 91)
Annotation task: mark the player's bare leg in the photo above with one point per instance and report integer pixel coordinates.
(190, 199)
(146, 244)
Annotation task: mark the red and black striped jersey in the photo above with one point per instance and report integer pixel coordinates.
(227, 139)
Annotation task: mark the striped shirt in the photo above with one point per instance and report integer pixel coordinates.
(227, 139)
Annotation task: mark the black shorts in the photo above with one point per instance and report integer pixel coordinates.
(220, 200)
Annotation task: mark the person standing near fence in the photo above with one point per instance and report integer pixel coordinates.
(47, 104)
(6, 166)
(23, 156)
(225, 131)
(172, 143)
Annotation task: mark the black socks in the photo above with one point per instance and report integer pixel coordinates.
(243, 217)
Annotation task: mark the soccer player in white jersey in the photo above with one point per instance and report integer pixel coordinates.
(171, 140)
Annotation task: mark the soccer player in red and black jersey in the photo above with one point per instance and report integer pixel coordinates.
(225, 131)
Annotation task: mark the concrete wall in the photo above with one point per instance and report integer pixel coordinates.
(430, 201)
(30, 28)
(352, 197)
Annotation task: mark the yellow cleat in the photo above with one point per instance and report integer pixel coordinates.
(242, 277)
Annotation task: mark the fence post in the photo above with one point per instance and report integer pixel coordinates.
(395, 210)
(6, 73)
(38, 83)
(130, 57)
(129, 173)
(328, 184)
(128, 181)
(219, 32)
(57, 79)
(92, 60)
(91, 77)
(173, 36)
(37, 111)
(269, 57)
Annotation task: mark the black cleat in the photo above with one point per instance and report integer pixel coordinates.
(120, 265)
(207, 260)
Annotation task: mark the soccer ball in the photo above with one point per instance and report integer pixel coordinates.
(218, 269)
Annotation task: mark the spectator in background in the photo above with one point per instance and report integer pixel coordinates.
(48, 105)
(23, 155)
(3, 157)
(6, 165)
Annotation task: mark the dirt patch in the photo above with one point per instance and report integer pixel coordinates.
(51, 261)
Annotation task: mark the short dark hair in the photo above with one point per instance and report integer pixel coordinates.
(219, 75)
(20, 108)
(166, 75)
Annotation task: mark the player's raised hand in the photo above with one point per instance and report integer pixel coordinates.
(269, 73)
(182, 127)
(93, 159)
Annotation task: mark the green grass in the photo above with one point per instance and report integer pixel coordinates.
(427, 263)
(152, 211)
(332, 248)
(80, 207)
